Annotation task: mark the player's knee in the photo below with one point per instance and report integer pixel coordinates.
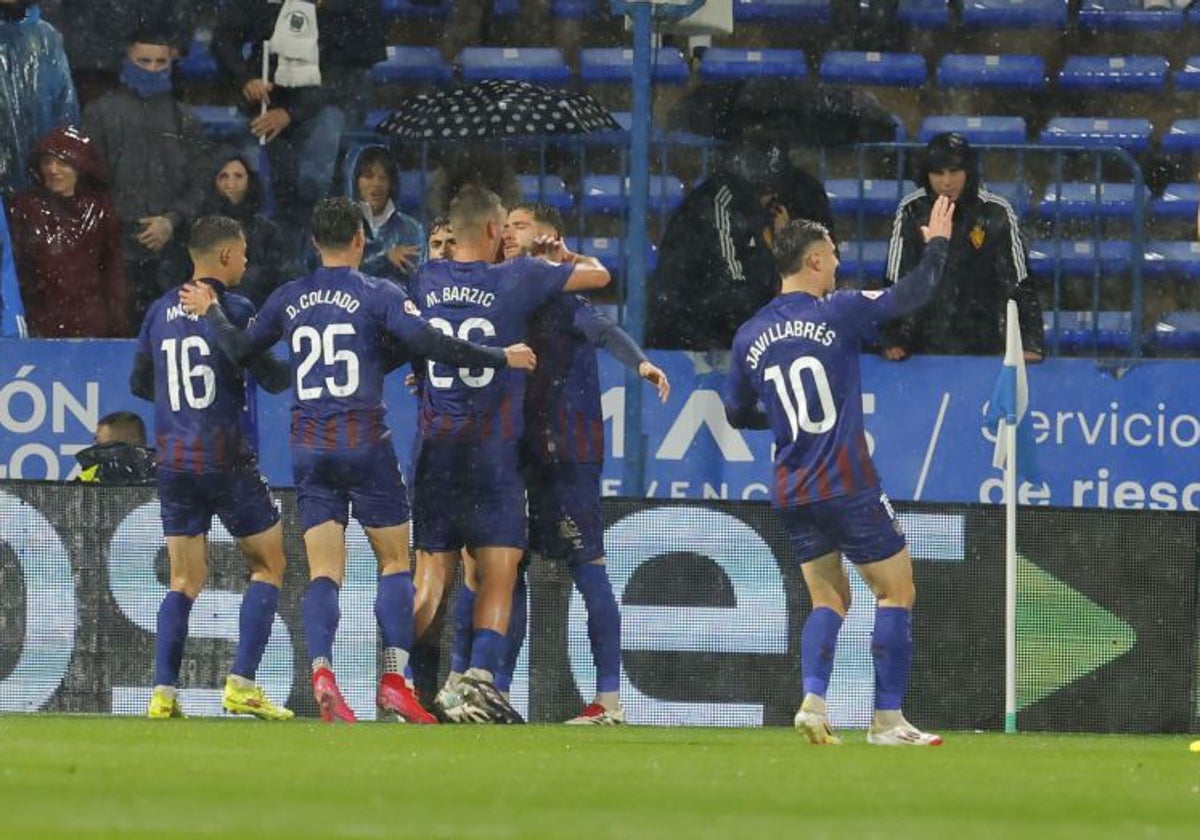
(899, 594)
(189, 586)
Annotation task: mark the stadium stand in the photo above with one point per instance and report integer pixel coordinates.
(979, 131)
(1177, 201)
(1131, 134)
(1113, 73)
(544, 65)
(1073, 201)
(1016, 72)
(411, 65)
(1103, 15)
(870, 197)
(729, 64)
(873, 68)
(1015, 14)
(548, 189)
(782, 11)
(614, 65)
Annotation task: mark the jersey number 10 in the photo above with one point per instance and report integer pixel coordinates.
(795, 398)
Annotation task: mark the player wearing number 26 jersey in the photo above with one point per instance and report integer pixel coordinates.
(798, 357)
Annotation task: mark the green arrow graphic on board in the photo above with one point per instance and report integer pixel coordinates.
(1061, 634)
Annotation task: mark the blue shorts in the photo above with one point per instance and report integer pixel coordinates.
(862, 526)
(238, 497)
(565, 520)
(467, 494)
(329, 482)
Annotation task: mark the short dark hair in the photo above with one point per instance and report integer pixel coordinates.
(157, 36)
(210, 231)
(793, 242)
(472, 208)
(126, 426)
(371, 156)
(542, 213)
(439, 223)
(335, 221)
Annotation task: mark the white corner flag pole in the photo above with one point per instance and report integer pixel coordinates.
(1014, 357)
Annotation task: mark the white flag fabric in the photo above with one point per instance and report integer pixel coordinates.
(1010, 400)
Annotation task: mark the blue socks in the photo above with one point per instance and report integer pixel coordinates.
(254, 627)
(394, 610)
(321, 613)
(170, 637)
(818, 643)
(518, 623)
(464, 629)
(891, 647)
(487, 650)
(604, 624)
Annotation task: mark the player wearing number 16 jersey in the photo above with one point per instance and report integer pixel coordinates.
(799, 357)
(342, 328)
(205, 451)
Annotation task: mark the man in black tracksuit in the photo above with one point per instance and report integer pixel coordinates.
(985, 268)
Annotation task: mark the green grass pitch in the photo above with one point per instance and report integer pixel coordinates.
(84, 777)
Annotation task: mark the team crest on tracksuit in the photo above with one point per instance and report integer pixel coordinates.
(977, 236)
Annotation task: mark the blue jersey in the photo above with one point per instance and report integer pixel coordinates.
(340, 327)
(490, 305)
(799, 357)
(563, 420)
(204, 411)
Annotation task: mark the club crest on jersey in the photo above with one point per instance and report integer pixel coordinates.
(977, 236)
(411, 308)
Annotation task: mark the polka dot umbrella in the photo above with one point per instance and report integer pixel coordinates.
(495, 109)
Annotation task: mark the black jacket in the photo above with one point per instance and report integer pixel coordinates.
(116, 463)
(715, 267)
(985, 268)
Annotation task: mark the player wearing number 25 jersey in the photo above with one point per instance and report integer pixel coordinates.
(342, 329)
(799, 357)
(205, 449)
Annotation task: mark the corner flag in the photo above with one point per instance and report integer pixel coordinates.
(1010, 402)
(12, 310)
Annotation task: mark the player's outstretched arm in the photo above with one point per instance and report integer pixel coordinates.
(914, 289)
(741, 401)
(587, 272)
(271, 372)
(200, 299)
(603, 332)
(421, 339)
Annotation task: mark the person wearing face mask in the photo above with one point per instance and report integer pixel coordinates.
(985, 267)
(396, 242)
(157, 159)
(66, 243)
(236, 192)
(36, 93)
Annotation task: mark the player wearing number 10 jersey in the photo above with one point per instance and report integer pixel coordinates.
(205, 451)
(468, 488)
(799, 357)
(342, 329)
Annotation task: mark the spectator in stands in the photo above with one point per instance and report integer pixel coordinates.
(985, 268)
(396, 242)
(715, 267)
(235, 191)
(156, 158)
(119, 454)
(67, 243)
(321, 57)
(95, 33)
(441, 239)
(36, 93)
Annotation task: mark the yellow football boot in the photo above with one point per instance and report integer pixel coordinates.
(251, 700)
(164, 706)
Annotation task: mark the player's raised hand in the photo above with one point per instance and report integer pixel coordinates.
(655, 376)
(520, 357)
(550, 247)
(939, 219)
(197, 297)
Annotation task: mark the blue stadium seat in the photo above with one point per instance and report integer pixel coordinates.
(782, 11)
(1178, 332)
(221, 122)
(925, 14)
(1178, 201)
(1115, 73)
(409, 9)
(1016, 193)
(874, 68)
(544, 65)
(1015, 14)
(728, 64)
(559, 9)
(1126, 14)
(1080, 256)
(1014, 72)
(1095, 331)
(1175, 259)
(1130, 134)
(607, 65)
(548, 189)
(1187, 77)
(198, 65)
(1081, 200)
(872, 197)
(865, 260)
(981, 131)
(1182, 136)
(411, 65)
(609, 250)
(607, 193)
